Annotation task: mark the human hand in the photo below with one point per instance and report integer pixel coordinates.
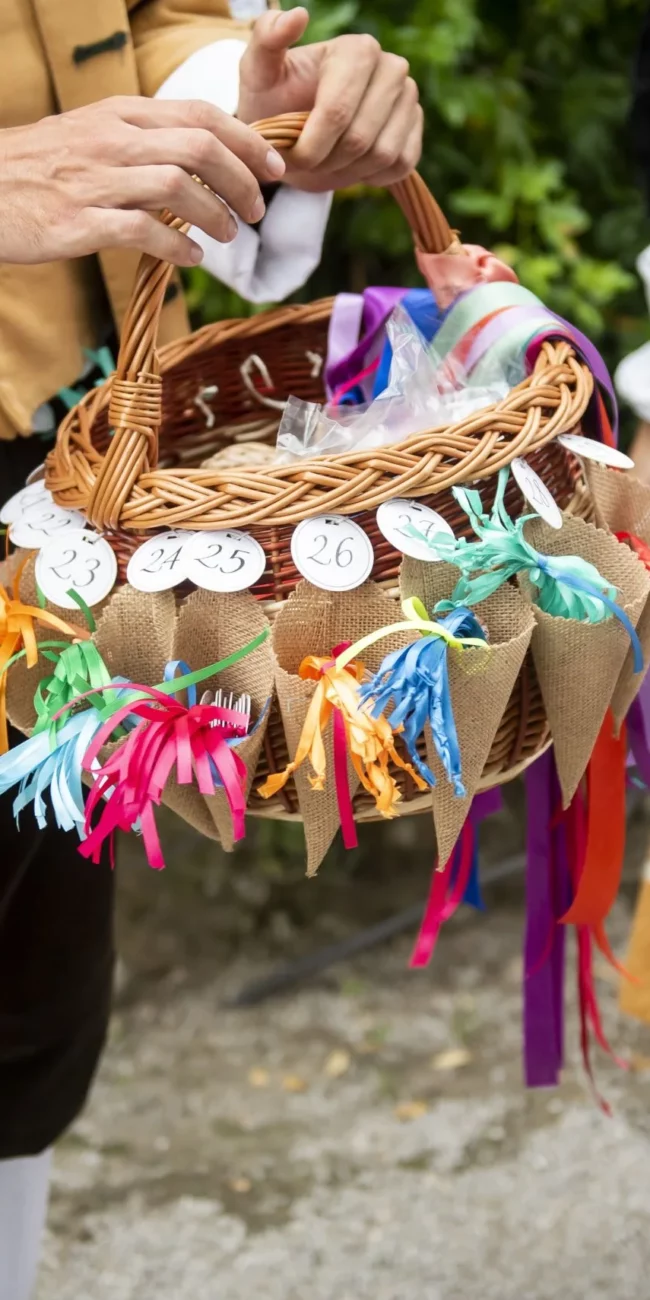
(366, 120)
(92, 178)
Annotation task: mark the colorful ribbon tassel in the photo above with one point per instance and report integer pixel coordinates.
(17, 633)
(368, 740)
(567, 586)
(415, 680)
(169, 739)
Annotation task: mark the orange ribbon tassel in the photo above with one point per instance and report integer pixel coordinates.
(370, 741)
(17, 632)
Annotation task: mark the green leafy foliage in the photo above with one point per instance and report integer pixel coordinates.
(526, 149)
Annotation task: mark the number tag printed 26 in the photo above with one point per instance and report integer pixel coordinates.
(159, 563)
(332, 552)
(227, 560)
(81, 562)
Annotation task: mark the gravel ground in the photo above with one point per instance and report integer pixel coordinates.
(364, 1138)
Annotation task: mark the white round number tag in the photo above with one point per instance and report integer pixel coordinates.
(15, 507)
(332, 552)
(536, 493)
(395, 519)
(227, 560)
(42, 522)
(81, 562)
(590, 449)
(159, 563)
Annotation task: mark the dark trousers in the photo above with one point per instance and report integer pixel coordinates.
(56, 952)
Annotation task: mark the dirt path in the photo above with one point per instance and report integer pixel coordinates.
(367, 1138)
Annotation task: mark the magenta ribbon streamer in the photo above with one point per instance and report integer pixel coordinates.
(346, 812)
(547, 897)
(348, 354)
(444, 900)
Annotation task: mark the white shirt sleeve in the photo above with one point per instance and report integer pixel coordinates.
(267, 264)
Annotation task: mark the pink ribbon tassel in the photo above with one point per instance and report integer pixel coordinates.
(132, 780)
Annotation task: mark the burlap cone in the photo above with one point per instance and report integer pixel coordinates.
(313, 622)
(480, 683)
(135, 637)
(21, 680)
(209, 627)
(578, 664)
(622, 505)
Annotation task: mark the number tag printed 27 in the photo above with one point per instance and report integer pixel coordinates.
(332, 552)
(81, 562)
(226, 560)
(395, 519)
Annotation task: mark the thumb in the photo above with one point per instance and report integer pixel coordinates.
(273, 34)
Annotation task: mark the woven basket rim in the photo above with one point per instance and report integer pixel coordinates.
(550, 401)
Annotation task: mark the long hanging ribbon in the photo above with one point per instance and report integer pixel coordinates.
(575, 820)
(547, 884)
(602, 867)
(457, 882)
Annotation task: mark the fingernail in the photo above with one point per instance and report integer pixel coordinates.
(232, 230)
(196, 254)
(258, 209)
(275, 164)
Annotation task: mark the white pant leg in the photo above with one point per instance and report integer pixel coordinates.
(23, 1205)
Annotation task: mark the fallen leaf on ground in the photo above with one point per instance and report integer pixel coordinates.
(639, 1064)
(337, 1064)
(454, 1058)
(293, 1083)
(407, 1110)
(258, 1078)
(240, 1185)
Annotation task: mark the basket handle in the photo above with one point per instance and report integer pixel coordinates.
(135, 411)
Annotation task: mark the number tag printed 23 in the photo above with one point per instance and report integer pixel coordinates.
(332, 552)
(81, 562)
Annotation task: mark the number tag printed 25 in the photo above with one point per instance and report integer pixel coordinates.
(226, 560)
(81, 562)
(332, 552)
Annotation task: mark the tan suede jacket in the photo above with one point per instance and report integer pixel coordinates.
(57, 55)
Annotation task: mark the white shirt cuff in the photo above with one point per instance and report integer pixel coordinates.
(268, 264)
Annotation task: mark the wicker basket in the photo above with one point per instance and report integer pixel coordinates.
(171, 410)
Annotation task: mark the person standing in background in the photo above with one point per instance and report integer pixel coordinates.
(107, 109)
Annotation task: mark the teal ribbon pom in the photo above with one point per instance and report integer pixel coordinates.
(566, 585)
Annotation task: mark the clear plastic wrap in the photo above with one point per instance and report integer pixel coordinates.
(423, 392)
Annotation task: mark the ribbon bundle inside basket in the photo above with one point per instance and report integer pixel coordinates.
(165, 635)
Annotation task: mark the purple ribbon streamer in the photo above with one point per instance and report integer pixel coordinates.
(547, 890)
(637, 732)
(347, 354)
